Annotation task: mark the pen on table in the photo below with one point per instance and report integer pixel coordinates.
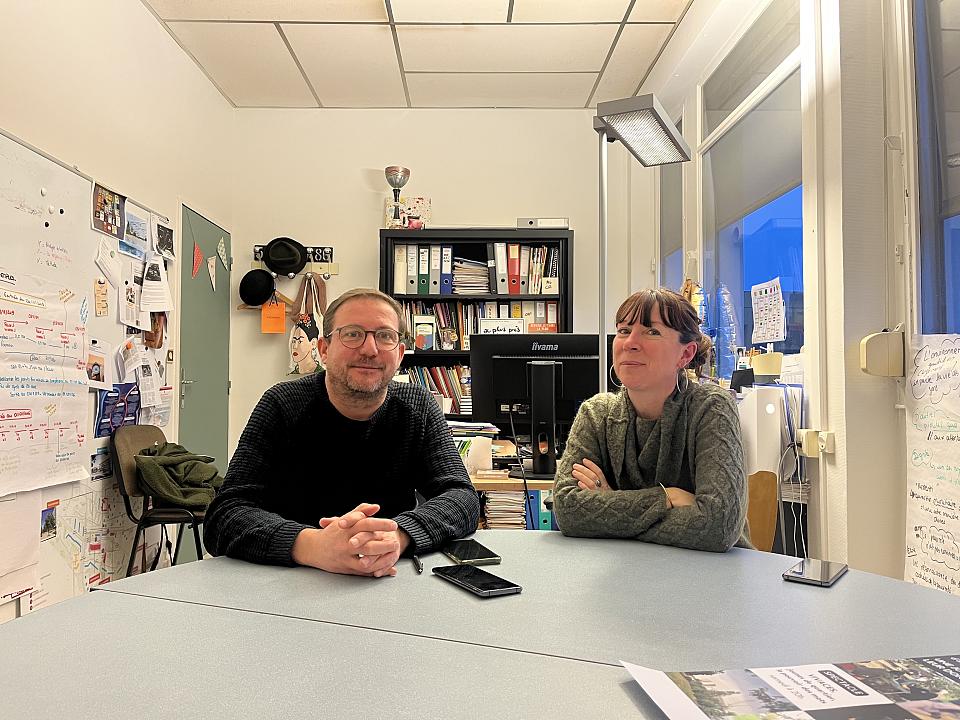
(417, 563)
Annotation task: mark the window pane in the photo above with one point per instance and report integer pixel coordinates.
(752, 214)
(767, 43)
(937, 61)
(671, 226)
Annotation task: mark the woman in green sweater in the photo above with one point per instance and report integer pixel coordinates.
(661, 460)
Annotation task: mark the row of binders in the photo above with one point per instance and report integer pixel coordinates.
(510, 269)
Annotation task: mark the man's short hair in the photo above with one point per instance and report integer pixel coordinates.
(329, 318)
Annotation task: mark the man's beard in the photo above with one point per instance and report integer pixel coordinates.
(354, 390)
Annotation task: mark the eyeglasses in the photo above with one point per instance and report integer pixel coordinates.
(353, 336)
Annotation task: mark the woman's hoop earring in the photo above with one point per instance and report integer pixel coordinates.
(613, 379)
(686, 383)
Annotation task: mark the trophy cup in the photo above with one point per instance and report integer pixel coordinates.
(396, 177)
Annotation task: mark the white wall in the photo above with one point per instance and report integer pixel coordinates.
(317, 176)
(101, 86)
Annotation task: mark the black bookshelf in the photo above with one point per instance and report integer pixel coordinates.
(471, 243)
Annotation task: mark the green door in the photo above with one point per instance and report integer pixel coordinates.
(204, 347)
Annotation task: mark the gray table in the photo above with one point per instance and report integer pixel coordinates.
(114, 655)
(601, 601)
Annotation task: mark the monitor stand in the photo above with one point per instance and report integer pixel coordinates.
(543, 440)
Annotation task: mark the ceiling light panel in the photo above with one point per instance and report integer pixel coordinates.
(450, 11)
(552, 11)
(500, 90)
(637, 47)
(349, 65)
(248, 61)
(657, 10)
(504, 48)
(272, 10)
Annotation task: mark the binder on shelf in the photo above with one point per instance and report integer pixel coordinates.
(411, 270)
(527, 310)
(524, 269)
(492, 267)
(513, 268)
(540, 311)
(434, 270)
(399, 269)
(423, 271)
(552, 311)
(504, 311)
(500, 258)
(446, 270)
(516, 309)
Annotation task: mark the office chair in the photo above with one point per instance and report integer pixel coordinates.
(125, 443)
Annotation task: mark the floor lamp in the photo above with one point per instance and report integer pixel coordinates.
(644, 128)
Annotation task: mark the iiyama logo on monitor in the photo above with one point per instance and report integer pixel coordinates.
(539, 346)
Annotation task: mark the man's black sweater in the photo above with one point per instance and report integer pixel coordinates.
(299, 460)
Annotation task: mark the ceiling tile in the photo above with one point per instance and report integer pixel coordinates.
(272, 10)
(450, 11)
(505, 48)
(548, 11)
(657, 10)
(249, 61)
(502, 90)
(349, 65)
(637, 47)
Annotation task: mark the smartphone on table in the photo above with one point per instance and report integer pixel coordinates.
(477, 581)
(815, 572)
(470, 552)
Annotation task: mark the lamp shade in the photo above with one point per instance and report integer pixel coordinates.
(644, 128)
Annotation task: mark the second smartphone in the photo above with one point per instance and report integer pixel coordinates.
(470, 552)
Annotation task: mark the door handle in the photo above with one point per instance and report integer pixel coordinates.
(183, 390)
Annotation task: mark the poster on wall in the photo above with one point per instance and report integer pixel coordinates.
(933, 462)
(43, 384)
(108, 211)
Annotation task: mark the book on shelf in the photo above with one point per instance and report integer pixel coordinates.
(425, 332)
(450, 382)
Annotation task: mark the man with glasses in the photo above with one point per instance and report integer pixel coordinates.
(328, 469)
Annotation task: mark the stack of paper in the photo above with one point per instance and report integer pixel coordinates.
(470, 277)
(465, 429)
(504, 509)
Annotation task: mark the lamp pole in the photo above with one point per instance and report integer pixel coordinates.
(602, 258)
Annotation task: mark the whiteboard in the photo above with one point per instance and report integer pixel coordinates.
(933, 462)
(45, 231)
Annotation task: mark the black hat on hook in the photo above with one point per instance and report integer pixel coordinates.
(256, 287)
(285, 256)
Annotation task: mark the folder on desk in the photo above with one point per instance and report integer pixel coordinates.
(399, 269)
(500, 259)
(532, 504)
(435, 270)
(524, 269)
(423, 271)
(446, 270)
(513, 268)
(411, 270)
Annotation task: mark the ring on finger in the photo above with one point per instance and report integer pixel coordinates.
(598, 483)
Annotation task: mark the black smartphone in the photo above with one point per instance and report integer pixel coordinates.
(470, 552)
(815, 572)
(477, 581)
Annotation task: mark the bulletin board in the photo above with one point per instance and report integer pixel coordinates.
(50, 458)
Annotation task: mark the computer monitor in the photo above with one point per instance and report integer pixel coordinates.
(540, 379)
